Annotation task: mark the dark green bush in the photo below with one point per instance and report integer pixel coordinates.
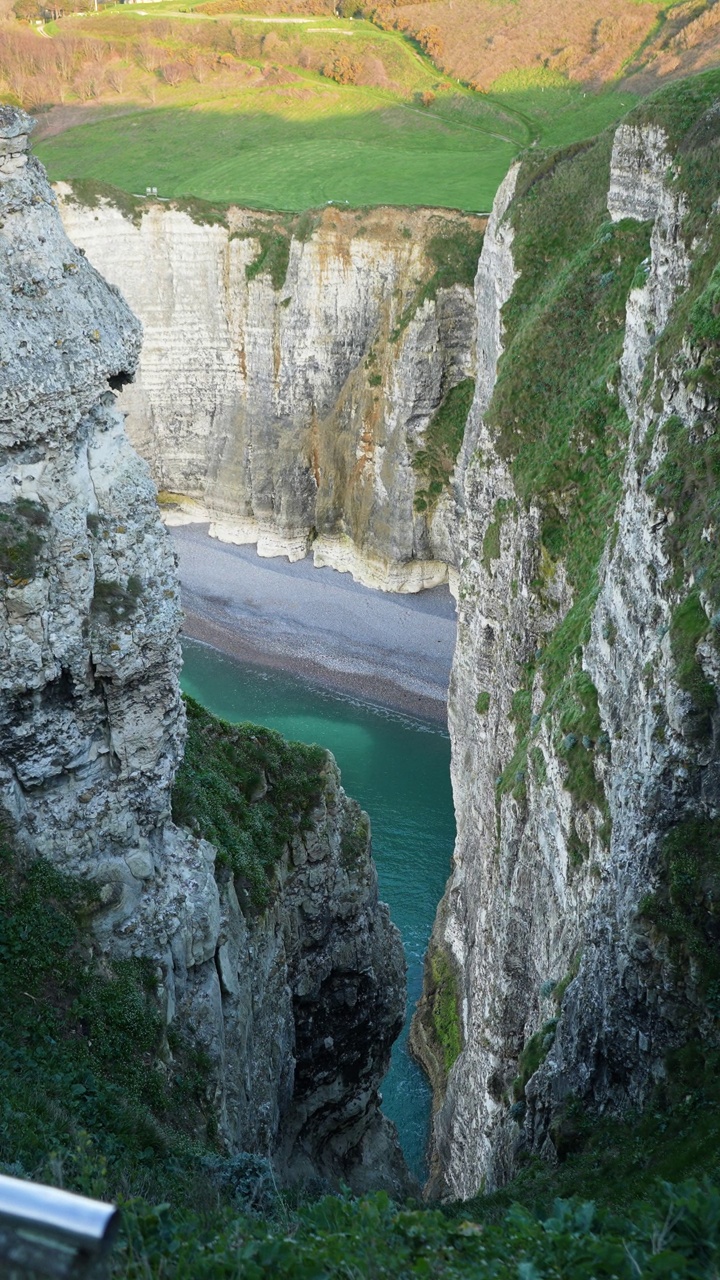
(685, 908)
(21, 539)
(434, 462)
(689, 624)
(373, 1239)
(115, 601)
(533, 1055)
(454, 253)
(273, 256)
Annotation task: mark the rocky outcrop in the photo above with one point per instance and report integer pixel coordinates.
(290, 371)
(296, 1005)
(582, 707)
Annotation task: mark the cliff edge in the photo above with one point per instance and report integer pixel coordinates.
(576, 941)
(294, 1002)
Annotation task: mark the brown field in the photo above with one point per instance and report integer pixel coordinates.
(481, 41)
(641, 42)
(688, 42)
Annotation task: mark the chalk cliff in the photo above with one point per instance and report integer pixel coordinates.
(293, 371)
(576, 941)
(296, 1005)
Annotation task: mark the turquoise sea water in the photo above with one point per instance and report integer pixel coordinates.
(399, 770)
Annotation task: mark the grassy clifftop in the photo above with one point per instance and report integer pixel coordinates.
(247, 791)
(280, 111)
(288, 107)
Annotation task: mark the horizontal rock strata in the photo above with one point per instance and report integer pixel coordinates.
(289, 373)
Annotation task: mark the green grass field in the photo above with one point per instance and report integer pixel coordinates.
(271, 161)
(308, 140)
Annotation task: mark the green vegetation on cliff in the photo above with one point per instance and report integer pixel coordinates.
(454, 253)
(444, 435)
(679, 464)
(441, 993)
(113, 600)
(562, 431)
(561, 427)
(248, 791)
(555, 408)
(21, 540)
(88, 1102)
(689, 624)
(558, 419)
(533, 1055)
(86, 1098)
(684, 908)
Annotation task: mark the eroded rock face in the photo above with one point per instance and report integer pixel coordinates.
(287, 412)
(297, 1007)
(543, 925)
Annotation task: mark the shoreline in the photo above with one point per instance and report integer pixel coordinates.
(372, 690)
(393, 651)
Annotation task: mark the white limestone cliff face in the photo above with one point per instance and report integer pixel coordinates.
(288, 414)
(92, 728)
(522, 914)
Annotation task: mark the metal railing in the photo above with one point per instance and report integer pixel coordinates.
(47, 1232)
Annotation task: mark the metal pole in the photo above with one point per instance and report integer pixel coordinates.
(48, 1232)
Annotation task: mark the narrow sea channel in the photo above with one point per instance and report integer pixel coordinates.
(399, 770)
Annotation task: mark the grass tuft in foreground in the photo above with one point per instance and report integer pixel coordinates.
(88, 1102)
